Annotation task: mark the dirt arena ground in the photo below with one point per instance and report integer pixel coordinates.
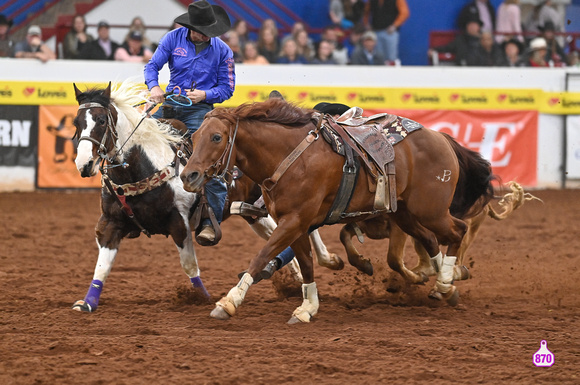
(369, 329)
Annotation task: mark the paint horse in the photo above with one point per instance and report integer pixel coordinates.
(278, 146)
(141, 192)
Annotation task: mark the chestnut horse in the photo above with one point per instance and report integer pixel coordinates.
(259, 137)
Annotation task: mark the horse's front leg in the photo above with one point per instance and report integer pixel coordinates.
(108, 238)
(181, 234)
(310, 304)
(285, 234)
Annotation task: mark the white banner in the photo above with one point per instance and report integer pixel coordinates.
(573, 147)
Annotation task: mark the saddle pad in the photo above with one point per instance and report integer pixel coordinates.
(399, 128)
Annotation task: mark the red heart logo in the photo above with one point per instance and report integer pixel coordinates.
(28, 91)
(454, 97)
(252, 94)
(406, 97)
(302, 95)
(351, 96)
(554, 101)
(501, 97)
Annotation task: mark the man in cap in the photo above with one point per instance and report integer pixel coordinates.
(133, 49)
(6, 43)
(103, 48)
(33, 47)
(367, 53)
(202, 66)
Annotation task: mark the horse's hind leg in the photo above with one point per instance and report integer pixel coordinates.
(395, 255)
(354, 257)
(108, 237)
(323, 256)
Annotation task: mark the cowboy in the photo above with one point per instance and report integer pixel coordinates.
(202, 67)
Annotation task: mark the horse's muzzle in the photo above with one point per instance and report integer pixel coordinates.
(192, 181)
(89, 169)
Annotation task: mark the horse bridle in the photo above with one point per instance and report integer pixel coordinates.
(102, 150)
(214, 168)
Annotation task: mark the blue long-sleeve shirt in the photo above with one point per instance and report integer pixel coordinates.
(212, 69)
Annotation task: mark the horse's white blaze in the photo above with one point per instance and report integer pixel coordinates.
(104, 263)
(85, 147)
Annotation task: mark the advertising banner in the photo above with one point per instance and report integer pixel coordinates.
(573, 148)
(508, 139)
(56, 150)
(18, 135)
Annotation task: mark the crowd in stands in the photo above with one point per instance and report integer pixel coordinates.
(491, 37)
(362, 32)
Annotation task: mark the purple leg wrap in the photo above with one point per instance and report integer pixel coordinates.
(196, 281)
(92, 297)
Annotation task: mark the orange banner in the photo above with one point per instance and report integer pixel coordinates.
(56, 150)
(508, 139)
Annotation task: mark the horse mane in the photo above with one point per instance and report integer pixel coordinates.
(124, 96)
(272, 110)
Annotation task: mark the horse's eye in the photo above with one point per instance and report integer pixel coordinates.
(216, 138)
(101, 121)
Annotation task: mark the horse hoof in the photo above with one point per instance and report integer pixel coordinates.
(294, 320)
(460, 273)
(424, 278)
(452, 297)
(82, 306)
(434, 294)
(334, 262)
(219, 313)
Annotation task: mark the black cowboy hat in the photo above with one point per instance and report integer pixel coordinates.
(201, 16)
(331, 108)
(4, 21)
(548, 26)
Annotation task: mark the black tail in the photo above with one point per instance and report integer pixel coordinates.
(474, 188)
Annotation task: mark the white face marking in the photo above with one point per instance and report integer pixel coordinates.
(85, 147)
(446, 177)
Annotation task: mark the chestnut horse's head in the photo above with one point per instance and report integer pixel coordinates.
(95, 129)
(212, 147)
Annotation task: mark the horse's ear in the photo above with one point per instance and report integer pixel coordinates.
(108, 91)
(77, 91)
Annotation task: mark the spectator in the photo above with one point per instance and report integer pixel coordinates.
(137, 24)
(489, 53)
(386, 17)
(267, 44)
(33, 47)
(271, 24)
(76, 39)
(304, 44)
(337, 16)
(466, 46)
(353, 39)
(333, 35)
(6, 42)
(289, 54)
(511, 52)
(537, 56)
(354, 10)
(366, 53)
(103, 48)
(555, 52)
(241, 28)
(133, 50)
(251, 55)
(324, 53)
(509, 22)
(232, 39)
(483, 10)
(543, 13)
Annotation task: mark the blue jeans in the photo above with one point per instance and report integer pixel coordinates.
(192, 116)
(388, 44)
